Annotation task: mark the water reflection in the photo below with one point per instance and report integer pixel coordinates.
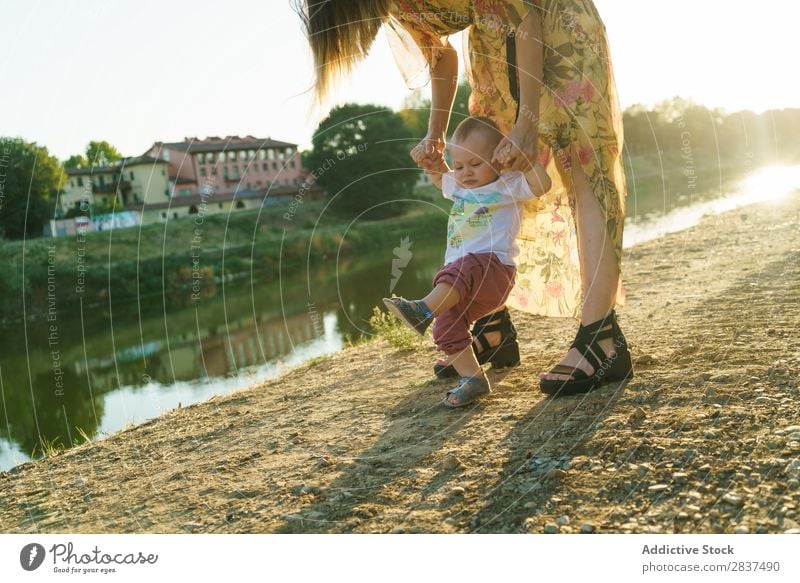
(135, 362)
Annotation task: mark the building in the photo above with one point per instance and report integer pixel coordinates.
(178, 179)
(132, 181)
(225, 165)
(222, 175)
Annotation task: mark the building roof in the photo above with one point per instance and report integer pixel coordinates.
(217, 144)
(181, 201)
(116, 166)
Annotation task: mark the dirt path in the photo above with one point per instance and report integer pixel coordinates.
(706, 438)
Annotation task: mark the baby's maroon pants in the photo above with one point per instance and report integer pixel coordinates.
(483, 283)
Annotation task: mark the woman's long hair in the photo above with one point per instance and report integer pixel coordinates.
(340, 33)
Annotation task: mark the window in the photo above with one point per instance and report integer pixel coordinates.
(242, 155)
(262, 155)
(271, 154)
(165, 155)
(131, 174)
(221, 157)
(239, 205)
(201, 158)
(101, 180)
(251, 154)
(80, 181)
(281, 155)
(164, 215)
(202, 171)
(166, 193)
(265, 166)
(186, 192)
(232, 156)
(162, 172)
(275, 166)
(219, 204)
(175, 215)
(289, 151)
(292, 164)
(236, 173)
(225, 172)
(213, 170)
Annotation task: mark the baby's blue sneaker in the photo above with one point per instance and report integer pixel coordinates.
(414, 314)
(467, 391)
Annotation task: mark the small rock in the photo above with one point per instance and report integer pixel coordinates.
(587, 528)
(457, 491)
(741, 529)
(637, 416)
(733, 499)
(680, 477)
(710, 392)
(711, 433)
(555, 474)
(562, 520)
(792, 531)
(701, 378)
(550, 528)
(658, 488)
(451, 462)
(645, 359)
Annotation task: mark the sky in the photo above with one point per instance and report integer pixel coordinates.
(135, 72)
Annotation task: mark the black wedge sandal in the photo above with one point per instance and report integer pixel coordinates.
(607, 369)
(501, 356)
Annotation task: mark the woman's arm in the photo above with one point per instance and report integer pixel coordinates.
(443, 91)
(518, 150)
(444, 79)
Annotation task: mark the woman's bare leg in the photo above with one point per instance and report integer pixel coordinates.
(599, 272)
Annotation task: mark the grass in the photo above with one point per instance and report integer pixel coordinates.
(393, 331)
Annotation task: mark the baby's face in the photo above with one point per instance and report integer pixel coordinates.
(472, 162)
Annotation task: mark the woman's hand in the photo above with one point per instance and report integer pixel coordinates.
(517, 151)
(429, 153)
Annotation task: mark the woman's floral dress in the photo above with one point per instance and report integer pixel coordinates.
(578, 106)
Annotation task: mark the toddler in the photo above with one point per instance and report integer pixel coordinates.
(479, 269)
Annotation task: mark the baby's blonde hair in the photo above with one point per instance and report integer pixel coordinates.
(483, 125)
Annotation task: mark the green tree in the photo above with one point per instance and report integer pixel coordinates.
(101, 153)
(30, 179)
(361, 156)
(76, 161)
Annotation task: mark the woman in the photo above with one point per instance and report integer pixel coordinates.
(541, 71)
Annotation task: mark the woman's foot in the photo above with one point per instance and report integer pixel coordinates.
(574, 359)
(598, 355)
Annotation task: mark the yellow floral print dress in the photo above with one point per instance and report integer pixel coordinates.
(578, 106)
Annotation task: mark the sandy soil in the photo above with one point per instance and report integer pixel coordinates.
(706, 438)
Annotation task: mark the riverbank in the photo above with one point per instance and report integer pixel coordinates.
(704, 439)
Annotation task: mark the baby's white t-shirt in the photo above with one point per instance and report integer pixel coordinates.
(485, 219)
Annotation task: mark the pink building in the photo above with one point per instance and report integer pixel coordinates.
(230, 165)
